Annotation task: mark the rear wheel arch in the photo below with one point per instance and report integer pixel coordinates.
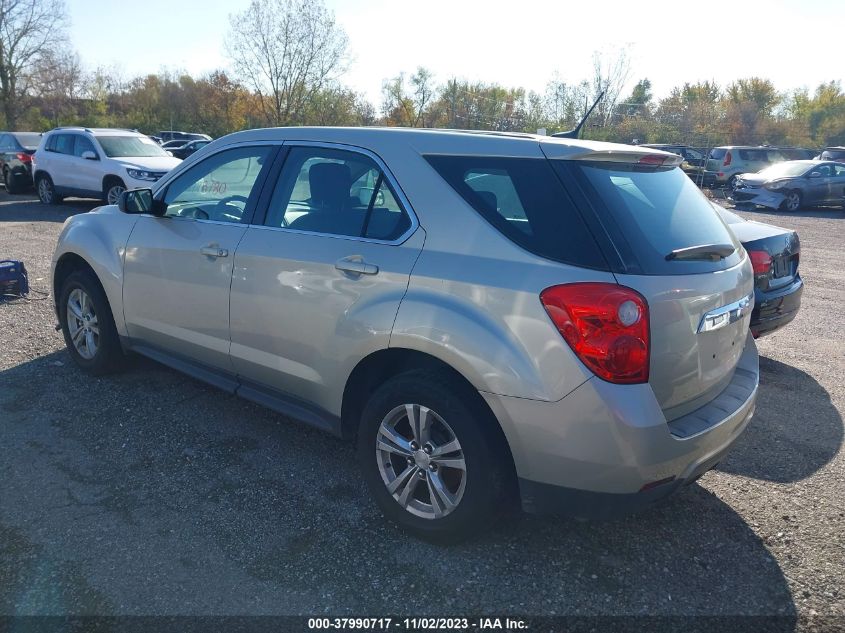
(380, 366)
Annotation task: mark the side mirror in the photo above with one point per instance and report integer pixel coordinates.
(141, 201)
(89, 155)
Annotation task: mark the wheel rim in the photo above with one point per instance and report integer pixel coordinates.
(114, 193)
(82, 324)
(421, 461)
(792, 202)
(44, 191)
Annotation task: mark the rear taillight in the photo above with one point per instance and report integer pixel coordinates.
(24, 157)
(761, 262)
(606, 325)
(728, 158)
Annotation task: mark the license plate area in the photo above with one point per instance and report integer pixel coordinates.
(781, 267)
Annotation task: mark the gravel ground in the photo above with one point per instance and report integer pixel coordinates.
(151, 493)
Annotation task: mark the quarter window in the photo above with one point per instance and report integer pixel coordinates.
(63, 144)
(219, 188)
(336, 192)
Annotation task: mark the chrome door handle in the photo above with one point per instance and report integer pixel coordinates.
(214, 251)
(356, 265)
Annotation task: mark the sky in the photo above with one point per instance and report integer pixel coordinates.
(517, 44)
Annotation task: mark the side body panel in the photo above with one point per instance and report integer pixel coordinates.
(176, 297)
(298, 324)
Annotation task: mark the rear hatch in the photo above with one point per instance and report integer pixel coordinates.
(664, 239)
(716, 159)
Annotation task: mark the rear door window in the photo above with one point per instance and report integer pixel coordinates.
(524, 200)
(650, 212)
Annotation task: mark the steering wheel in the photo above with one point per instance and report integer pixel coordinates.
(228, 201)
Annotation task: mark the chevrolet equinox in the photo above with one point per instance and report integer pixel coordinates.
(485, 314)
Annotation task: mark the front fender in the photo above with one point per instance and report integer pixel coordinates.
(99, 238)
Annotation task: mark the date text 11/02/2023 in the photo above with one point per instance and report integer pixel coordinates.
(419, 624)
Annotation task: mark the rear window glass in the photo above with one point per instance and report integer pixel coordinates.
(524, 200)
(653, 212)
(833, 154)
(718, 153)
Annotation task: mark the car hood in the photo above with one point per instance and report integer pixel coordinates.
(151, 163)
(753, 179)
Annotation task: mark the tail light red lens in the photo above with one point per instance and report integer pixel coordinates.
(728, 159)
(761, 262)
(606, 325)
(652, 159)
(24, 157)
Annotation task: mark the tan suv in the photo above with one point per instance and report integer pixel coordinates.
(487, 314)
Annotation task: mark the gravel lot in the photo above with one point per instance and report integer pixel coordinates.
(150, 493)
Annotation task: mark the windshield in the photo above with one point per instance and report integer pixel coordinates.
(123, 146)
(784, 170)
(29, 141)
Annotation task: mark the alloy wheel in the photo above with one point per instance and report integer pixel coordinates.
(793, 201)
(421, 461)
(45, 191)
(113, 194)
(82, 323)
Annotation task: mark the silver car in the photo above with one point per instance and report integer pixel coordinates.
(793, 184)
(487, 315)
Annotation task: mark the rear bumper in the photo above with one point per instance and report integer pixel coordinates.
(773, 310)
(606, 450)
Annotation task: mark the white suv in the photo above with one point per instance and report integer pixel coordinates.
(99, 163)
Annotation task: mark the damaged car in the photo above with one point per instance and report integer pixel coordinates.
(792, 185)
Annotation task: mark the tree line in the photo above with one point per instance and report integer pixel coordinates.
(288, 58)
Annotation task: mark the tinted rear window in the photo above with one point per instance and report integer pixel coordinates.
(718, 153)
(650, 212)
(525, 201)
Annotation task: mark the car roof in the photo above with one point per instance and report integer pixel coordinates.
(434, 140)
(99, 131)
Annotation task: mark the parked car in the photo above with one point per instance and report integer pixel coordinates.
(171, 145)
(16, 150)
(693, 165)
(96, 163)
(793, 184)
(173, 135)
(833, 153)
(483, 312)
(774, 254)
(797, 153)
(724, 164)
(188, 148)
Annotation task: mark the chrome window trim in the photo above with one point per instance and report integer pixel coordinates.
(403, 201)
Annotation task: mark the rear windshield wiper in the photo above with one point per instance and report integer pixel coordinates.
(708, 252)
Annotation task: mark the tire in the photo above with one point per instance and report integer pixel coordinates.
(105, 355)
(732, 182)
(112, 189)
(11, 183)
(476, 491)
(46, 191)
(792, 202)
